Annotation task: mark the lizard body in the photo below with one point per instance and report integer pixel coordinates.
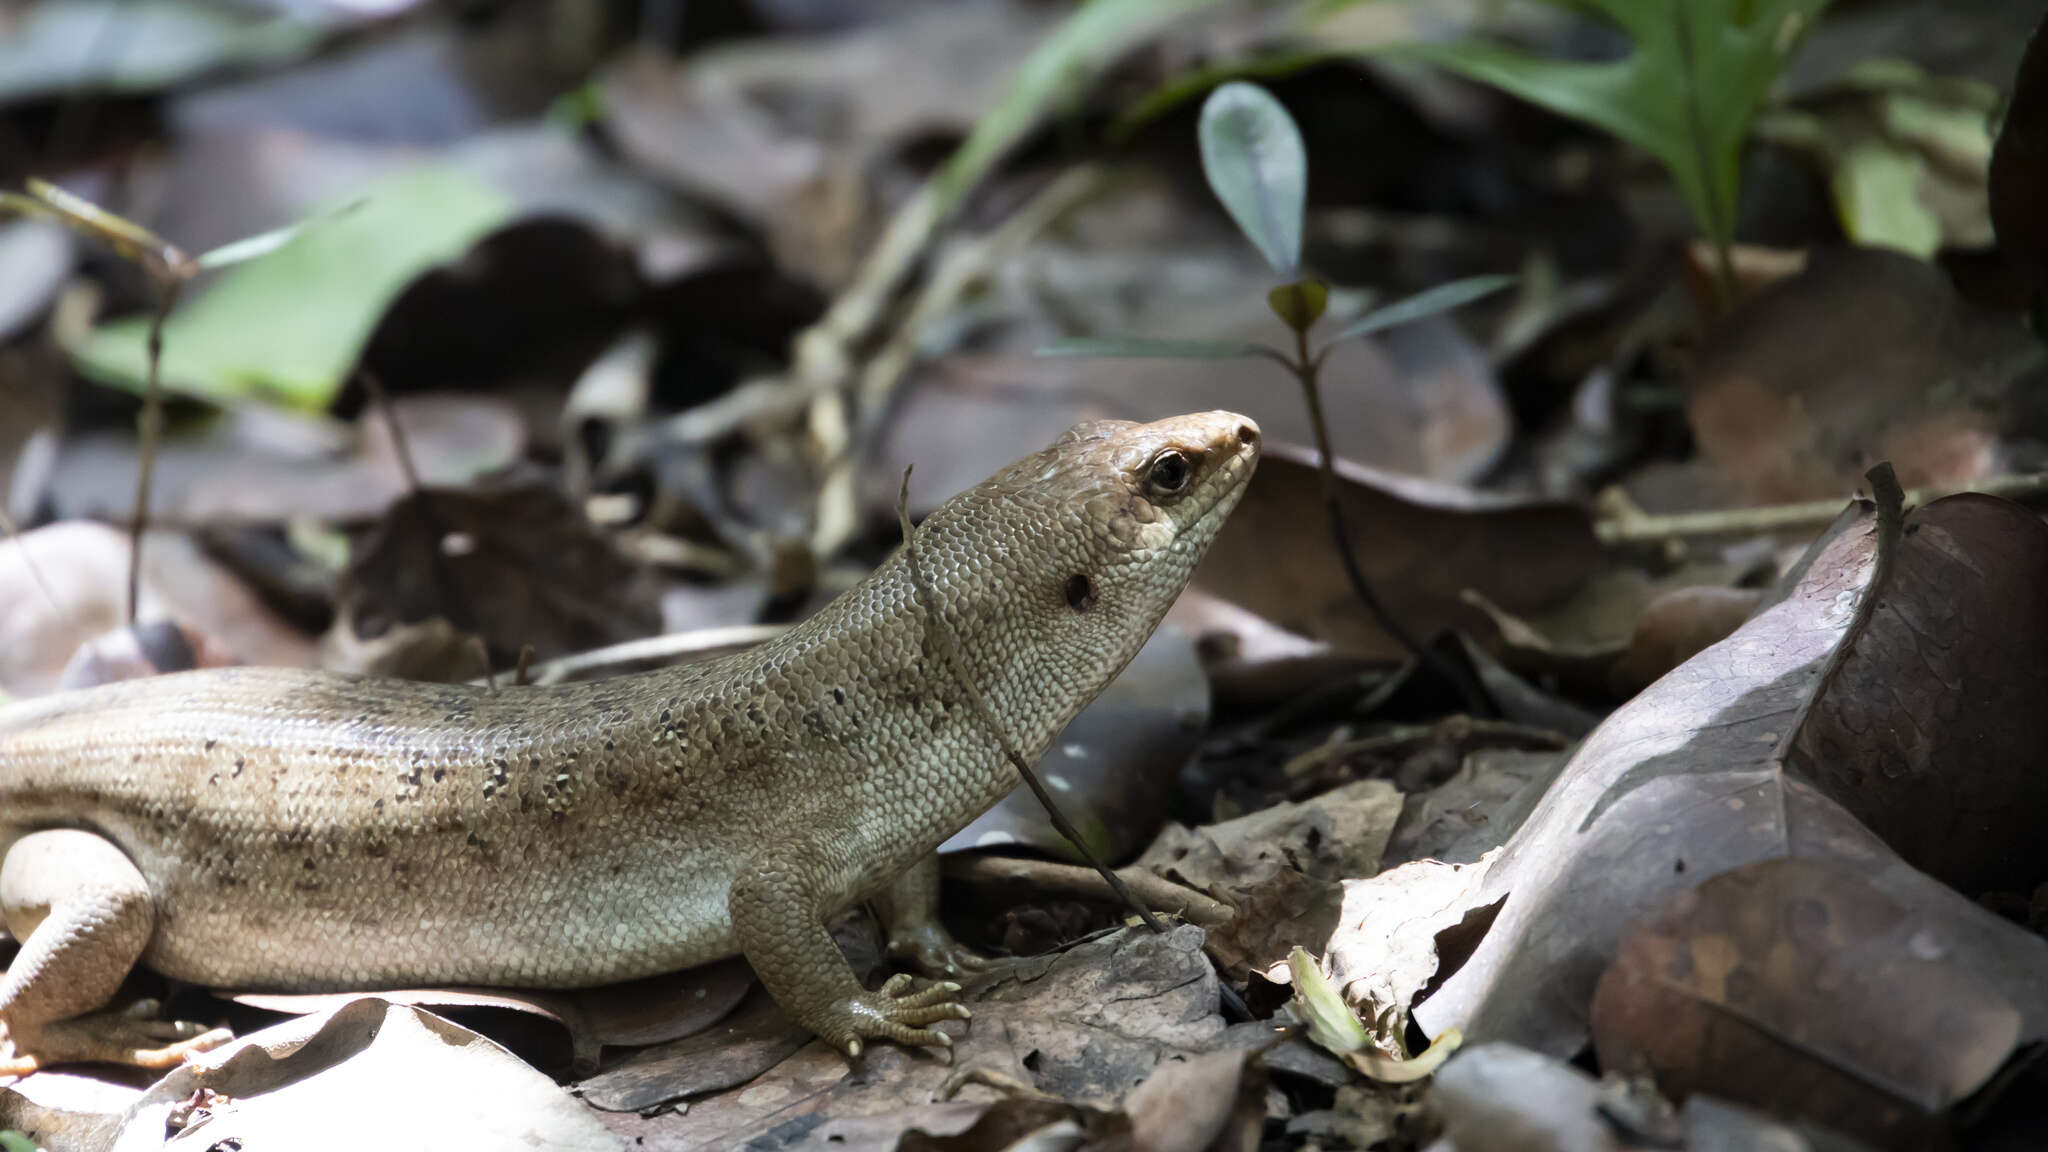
(298, 830)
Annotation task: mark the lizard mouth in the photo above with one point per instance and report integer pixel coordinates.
(1226, 486)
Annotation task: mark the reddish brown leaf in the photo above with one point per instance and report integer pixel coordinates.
(1803, 990)
(1421, 544)
(1933, 734)
(1820, 376)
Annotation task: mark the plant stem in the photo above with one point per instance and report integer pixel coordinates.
(150, 429)
(1308, 370)
(1720, 228)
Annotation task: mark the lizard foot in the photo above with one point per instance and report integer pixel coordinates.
(932, 950)
(890, 1014)
(112, 1037)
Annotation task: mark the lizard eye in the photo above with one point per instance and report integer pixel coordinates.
(1168, 472)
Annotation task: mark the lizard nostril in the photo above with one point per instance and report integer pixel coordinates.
(1247, 435)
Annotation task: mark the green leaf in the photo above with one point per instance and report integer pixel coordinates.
(1687, 94)
(1877, 196)
(1441, 298)
(290, 327)
(1255, 162)
(1146, 348)
(13, 1141)
(1956, 134)
(1331, 1023)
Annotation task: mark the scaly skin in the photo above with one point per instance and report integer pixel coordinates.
(302, 831)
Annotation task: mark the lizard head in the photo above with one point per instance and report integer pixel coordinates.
(1056, 570)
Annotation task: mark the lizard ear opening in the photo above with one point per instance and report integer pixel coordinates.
(1080, 592)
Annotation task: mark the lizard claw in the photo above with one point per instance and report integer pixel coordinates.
(892, 1012)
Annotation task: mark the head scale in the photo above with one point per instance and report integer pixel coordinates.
(1055, 571)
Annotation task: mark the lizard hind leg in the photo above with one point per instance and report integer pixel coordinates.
(83, 914)
(909, 909)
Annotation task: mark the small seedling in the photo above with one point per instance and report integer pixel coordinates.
(1253, 157)
(170, 269)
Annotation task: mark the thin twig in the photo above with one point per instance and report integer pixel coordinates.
(381, 401)
(444, 574)
(1496, 733)
(483, 657)
(28, 561)
(942, 638)
(149, 432)
(1632, 527)
(1307, 370)
(1046, 875)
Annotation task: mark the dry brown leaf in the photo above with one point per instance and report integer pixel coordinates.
(1215, 1102)
(1820, 376)
(1013, 1123)
(1681, 783)
(1675, 627)
(1362, 1116)
(1085, 1026)
(1476, 810)
(258, 465)
(636, 1012)
(1280, 868)
(742, 1046)
(514, 563)
(65, 584)
(1421, 544)
(1933, 734)
(390, 1075)
(1800, 989)
(1384, 950)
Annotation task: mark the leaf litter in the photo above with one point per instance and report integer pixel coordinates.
(1770, 909)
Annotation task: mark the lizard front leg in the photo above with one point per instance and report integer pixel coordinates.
(83, 914)
(910, 912)
(779, 916)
